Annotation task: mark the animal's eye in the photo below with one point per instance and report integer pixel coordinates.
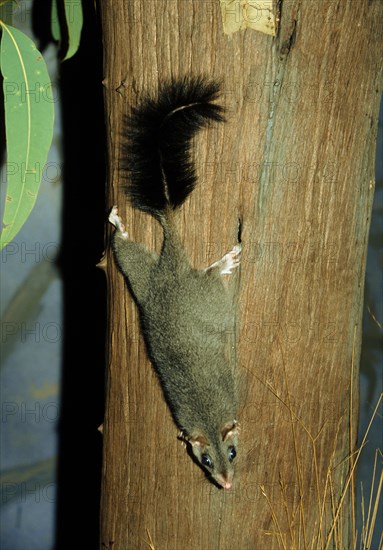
(206, 460)
(232, 453)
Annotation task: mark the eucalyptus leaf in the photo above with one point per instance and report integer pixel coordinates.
(29, 116)
(55, 23)
(74, 21)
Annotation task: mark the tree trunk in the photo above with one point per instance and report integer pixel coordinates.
(294, 168)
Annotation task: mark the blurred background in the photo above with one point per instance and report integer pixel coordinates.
(53, 304)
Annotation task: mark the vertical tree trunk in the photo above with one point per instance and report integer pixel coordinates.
(294, 166)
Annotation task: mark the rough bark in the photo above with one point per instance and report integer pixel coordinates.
(294, 166)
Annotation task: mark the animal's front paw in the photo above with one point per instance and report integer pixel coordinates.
(115, 220)
(230, 261)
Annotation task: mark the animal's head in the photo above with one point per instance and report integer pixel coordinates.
(216, 452)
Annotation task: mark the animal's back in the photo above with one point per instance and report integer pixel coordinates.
(189, 326)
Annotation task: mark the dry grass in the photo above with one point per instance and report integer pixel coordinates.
(335, 497)
(332, 536)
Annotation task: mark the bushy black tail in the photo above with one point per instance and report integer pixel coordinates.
(159, 133)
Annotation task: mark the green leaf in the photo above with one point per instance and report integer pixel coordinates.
(74, 19)
(29, 115)
(55, 23)
(71, 16)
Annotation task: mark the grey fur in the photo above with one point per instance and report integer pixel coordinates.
(186, 314)
(186, 317)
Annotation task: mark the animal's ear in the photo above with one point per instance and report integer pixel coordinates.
(198, 440)
(230, 430)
